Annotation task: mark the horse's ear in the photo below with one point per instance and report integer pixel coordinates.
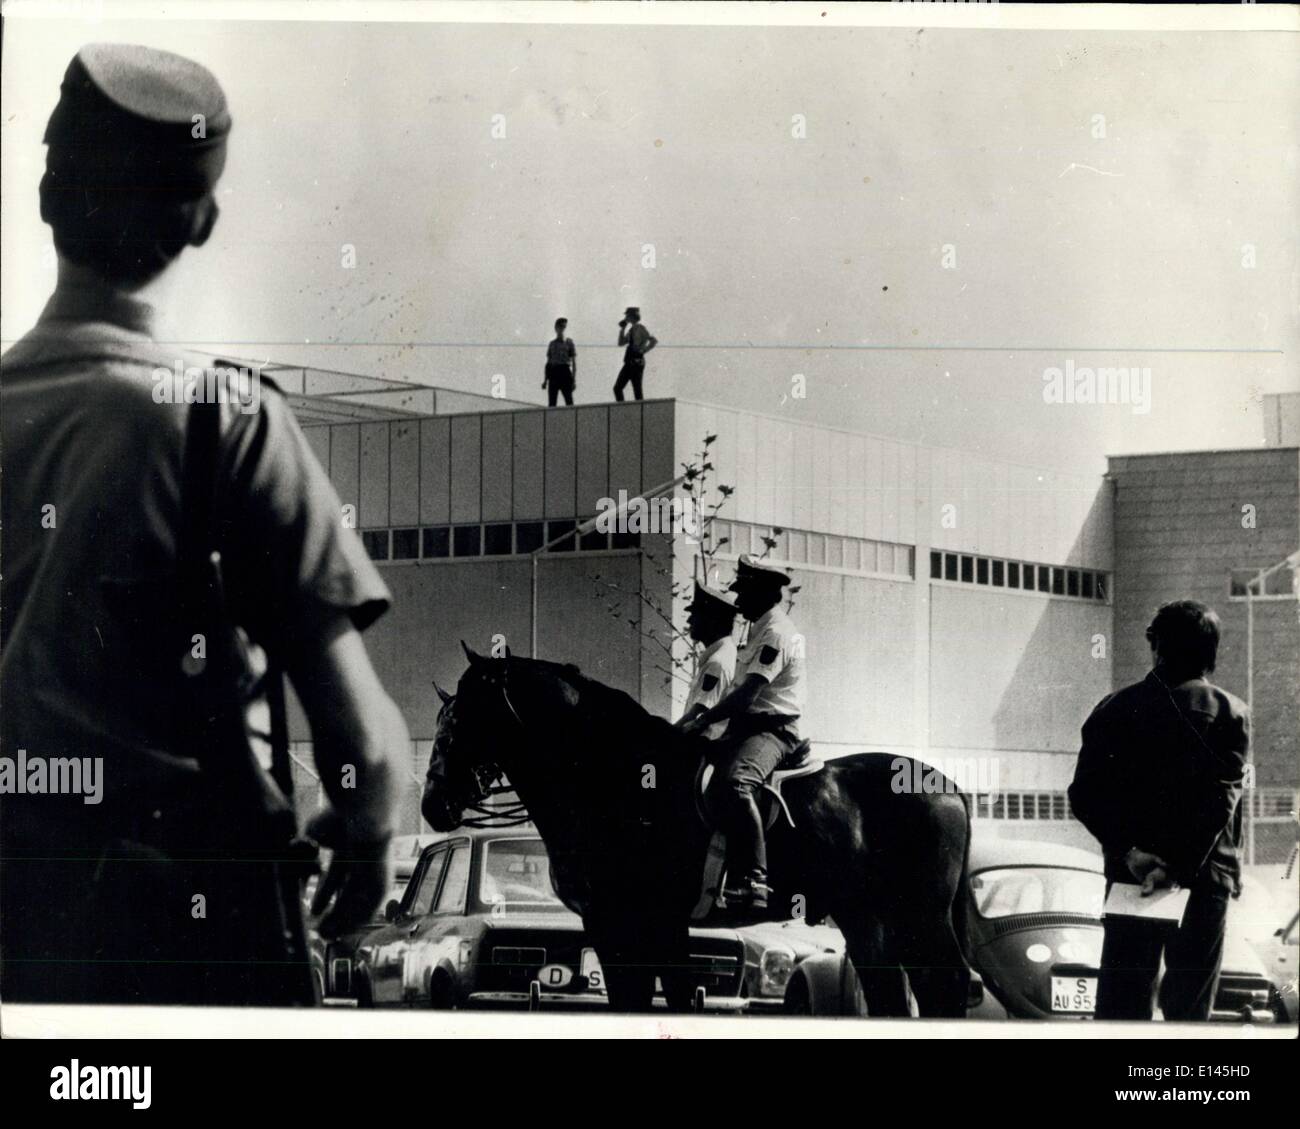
(471, 654)
(442, 694)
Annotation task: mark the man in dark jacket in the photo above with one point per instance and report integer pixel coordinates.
(1158, 783)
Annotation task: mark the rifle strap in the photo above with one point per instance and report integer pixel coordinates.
(196, 538)
(197, 541)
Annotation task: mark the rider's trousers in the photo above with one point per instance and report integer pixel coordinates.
(748, 759)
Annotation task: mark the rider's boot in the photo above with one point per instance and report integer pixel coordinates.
(747, 890)
(746, 899)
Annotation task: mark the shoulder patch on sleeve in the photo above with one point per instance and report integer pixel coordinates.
(708, 682)
(768, 655)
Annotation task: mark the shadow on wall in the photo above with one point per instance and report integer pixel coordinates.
(860, 654)
(1013, 671)
(1065, 667)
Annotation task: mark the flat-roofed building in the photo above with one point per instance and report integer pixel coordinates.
(966, 610)
(953, 607)
(1205, 525)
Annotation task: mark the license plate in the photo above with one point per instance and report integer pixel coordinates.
(591, 970)
(1074, 993)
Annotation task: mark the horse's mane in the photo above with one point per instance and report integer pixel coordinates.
(614, 706)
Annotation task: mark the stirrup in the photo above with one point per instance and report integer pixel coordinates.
(748, 892)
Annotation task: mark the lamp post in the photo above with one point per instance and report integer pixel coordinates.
(1292, 562)
(583, 529)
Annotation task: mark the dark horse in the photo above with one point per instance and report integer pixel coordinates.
(610, 788)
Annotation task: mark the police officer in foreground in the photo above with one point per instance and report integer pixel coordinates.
(639, 342)
(710, 620)
(1158, 783)
(121, 901)
(762, 711)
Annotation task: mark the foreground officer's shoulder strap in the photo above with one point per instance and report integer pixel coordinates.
(200, 600)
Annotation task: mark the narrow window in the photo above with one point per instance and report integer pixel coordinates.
(467, 540)
(406, 544)
(497, 539)
(437, 542)
(556, 529)
(376, 543)
(529, 536)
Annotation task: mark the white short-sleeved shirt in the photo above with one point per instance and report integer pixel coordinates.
(774, 651)
(714, 675)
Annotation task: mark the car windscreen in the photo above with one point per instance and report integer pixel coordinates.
(1013, 891)
(516, 872)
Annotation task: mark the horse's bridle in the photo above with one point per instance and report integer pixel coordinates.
(486, 777)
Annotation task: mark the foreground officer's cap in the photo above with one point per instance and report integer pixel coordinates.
(713, 601)
(750, 570)
(632, 311)
(136, 118)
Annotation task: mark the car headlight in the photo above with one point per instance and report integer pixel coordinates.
(774, 969)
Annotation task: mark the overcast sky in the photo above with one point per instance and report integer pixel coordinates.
(773, 254)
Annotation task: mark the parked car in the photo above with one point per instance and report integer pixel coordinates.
(405, 852)
(1278, 955)
(1268, 920)
(1035, 924)
(479, 925)
(772, 952)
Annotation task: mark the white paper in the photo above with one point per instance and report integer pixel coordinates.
(1126, 900)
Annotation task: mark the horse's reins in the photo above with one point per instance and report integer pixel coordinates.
(510, 815)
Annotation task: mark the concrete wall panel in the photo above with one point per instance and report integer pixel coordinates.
(435, 471)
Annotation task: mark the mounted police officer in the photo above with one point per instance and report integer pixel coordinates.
(762, 710)
(130, 900)
(710, 620)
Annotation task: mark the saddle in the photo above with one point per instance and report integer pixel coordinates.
(771, 805)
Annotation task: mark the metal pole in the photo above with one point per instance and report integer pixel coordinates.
(1246, 797)
(1250, 644)
(532, 607)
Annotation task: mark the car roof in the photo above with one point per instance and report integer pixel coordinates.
(522, 831)
(988, 851)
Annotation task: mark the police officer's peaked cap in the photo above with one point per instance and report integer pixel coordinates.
(134, 118)
(713, 601)
(632, 310)
(750, 570)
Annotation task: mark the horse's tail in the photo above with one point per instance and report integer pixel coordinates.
(961, 899)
